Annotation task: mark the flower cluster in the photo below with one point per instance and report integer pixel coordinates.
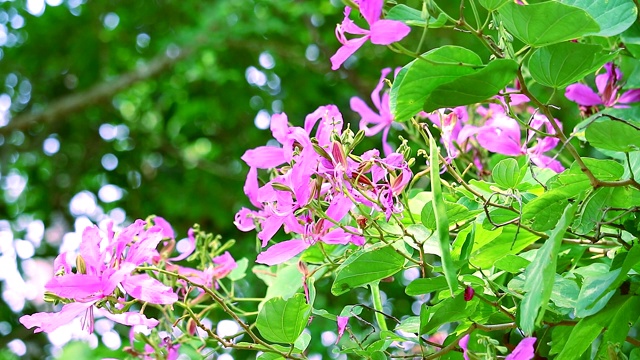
(497, 130)
(317, 182)
(106, 282)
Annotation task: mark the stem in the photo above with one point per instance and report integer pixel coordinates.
(377, 304)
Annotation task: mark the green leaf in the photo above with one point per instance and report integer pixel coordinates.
(561, 64)
(510, 240)
(492, 5)
(631, 40)
(592, 210)
(618, 328)
(613, 16)
(588, 329)
(455, 213)
(474, 87)
(540, 275)
(449, 310)
(512, 263)
(426, 285)
(409, 325)
(366, 266)
(413, 17)
(442, 221)
(613, 135)
(546, 23)
(417, 79)
(506, 173)
(597, 289)
(282, 321)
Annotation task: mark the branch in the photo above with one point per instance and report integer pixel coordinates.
(76, 102)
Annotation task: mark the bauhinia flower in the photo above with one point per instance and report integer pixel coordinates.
(609, 85)
(501, 134)
(382, 32)
(104, 267)
(382, 120)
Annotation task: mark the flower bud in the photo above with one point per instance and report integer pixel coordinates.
(468, 293)
(81, 266)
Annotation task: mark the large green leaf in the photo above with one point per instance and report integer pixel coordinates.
(507, 173)
(442, 221)
(597, 289)
(282, 321)
(561, 64)
(417, 79)
(492, 4)
(546, 23)
(510, 240)
(449, 310)
(613, 16)
(540, 275)
(588, 329)
(426, 285)
(618, 328)
(474, 87)
(455, 213)
(613, 135)
(592, 210)
(366, 266)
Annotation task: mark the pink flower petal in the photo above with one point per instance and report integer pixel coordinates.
(371, 10)
(148, 289)
(264, 157)
(385, 32)
(630, 96)
(131, 319)
(582, 94)
(342, 325)
(191, 244)
(167, 230)
(524, 350)
(48, 322)
(347, 50)
(464, 345)
(282, 252)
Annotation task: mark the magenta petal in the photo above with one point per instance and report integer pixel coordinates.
(630, 96)
(225, 264)
(385, 32)
(280, 127)
(347, 50)
(264, 157)
(371, 10)
(339, 207)
(244, 220)
(524, 350)
(75, 286)
(582, 94)
(131, 319)
(270, 227)
(147, 289)
(464, 345)
(191, 244)
(167, 230)
(90, 248)
(342, 325)
(48, 322)
(282, 252)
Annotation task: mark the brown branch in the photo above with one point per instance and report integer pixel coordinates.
(101, 92)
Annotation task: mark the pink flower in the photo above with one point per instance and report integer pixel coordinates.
(501, 134)
(382, 32)
(102, 266)
(608, 85)
(524, 350)
(382, 120)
